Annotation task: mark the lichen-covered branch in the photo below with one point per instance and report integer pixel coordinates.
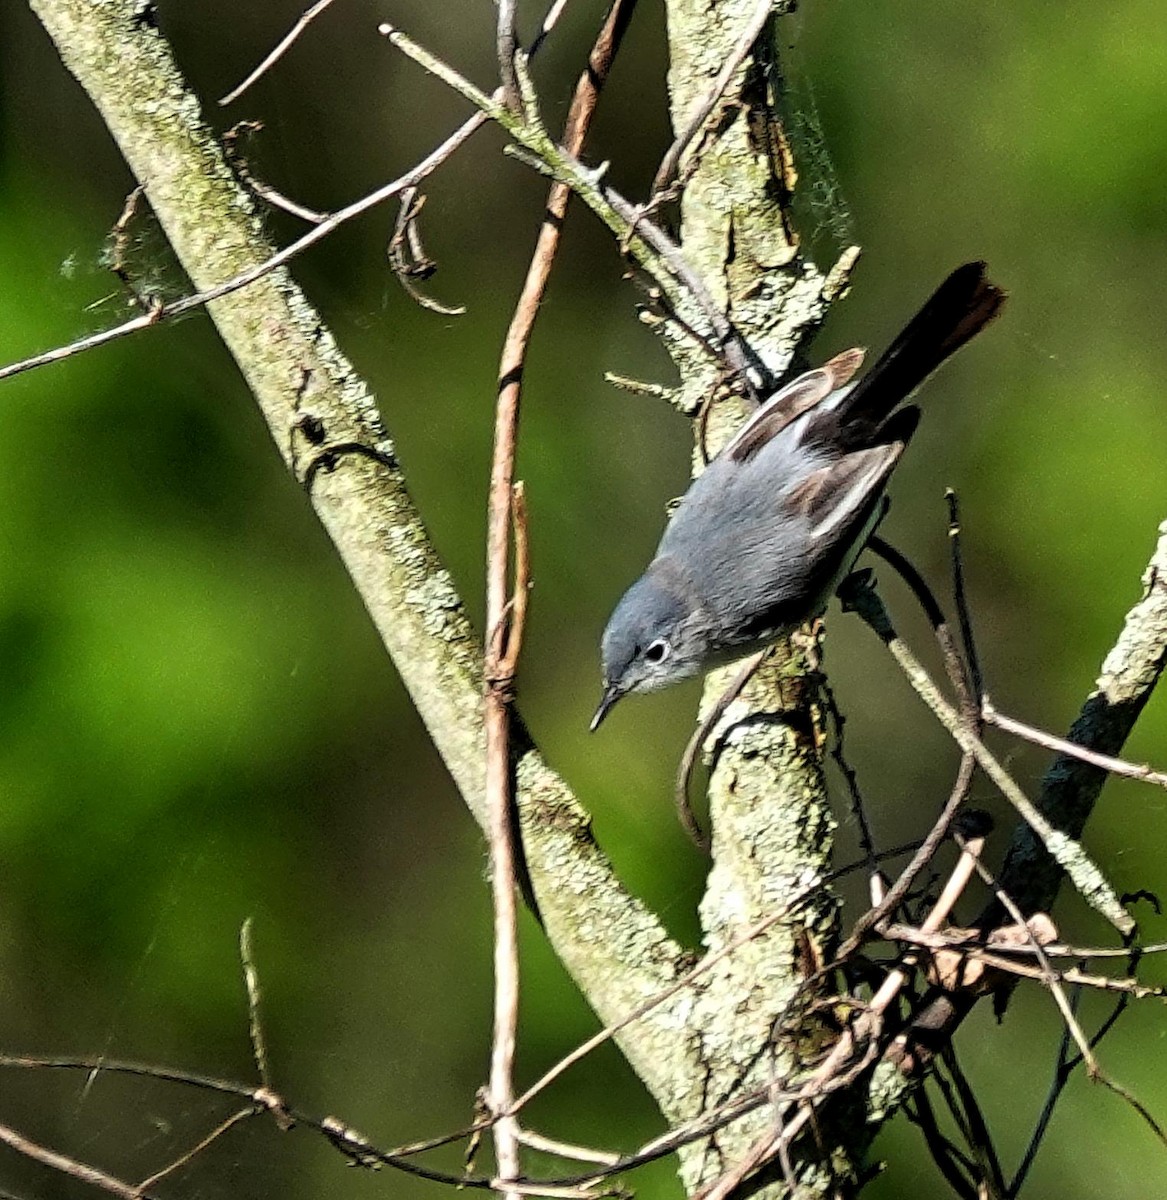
(770, 813)
(326, 426)
(1031, 874)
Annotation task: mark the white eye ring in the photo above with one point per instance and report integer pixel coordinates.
(657, 652)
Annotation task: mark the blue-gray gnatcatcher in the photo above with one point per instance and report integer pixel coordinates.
(766, 533)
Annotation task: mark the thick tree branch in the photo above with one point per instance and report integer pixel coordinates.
(770, 815)
(615, 949)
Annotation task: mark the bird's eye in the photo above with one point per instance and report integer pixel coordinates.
(657, 652)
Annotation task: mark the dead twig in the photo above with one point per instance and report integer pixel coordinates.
(838, 753)
(1039, 737)
(956, 671)
(587, 1154)
(863, 1032)
(990, 1178)
(408, 259)
(506, 510)
(231, 149)
(976, 679)
(956, 1167)
(160, 312)
(650, 246)
(281, 48)
(254, 996)
(237, 1118)
(119, 242)
(280, 258)
(1089, 880)
(70, 1166)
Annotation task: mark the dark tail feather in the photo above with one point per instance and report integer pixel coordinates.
(959, 309)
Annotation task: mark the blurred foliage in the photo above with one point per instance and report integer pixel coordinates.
(197, 722)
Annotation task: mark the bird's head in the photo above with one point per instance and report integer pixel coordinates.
(654, 637)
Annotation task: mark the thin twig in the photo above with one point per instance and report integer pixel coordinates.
(980, 1141)
(1039, 737)
(1089, 880)
(546, 1145)
(923, 856)
(1049, 975)
(70, 1166)
(650, 246)
(953, 1164)
(254, 995)
(119, 239)
(408, 258)
(236, 1118)
(640, 388)
(282, 47)
(839, 754)
(954, 665)
(341, 217)
(955, 669)
(234, 154)
(323, 229)
(1006, 959)
(505, 509)
(1126, 1094)
(1057, 1086)
(736, 351)
(554, 12)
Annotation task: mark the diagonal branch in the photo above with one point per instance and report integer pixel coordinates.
(1069, 790)
(615, 949)
(1071, 787)
(1063, 848)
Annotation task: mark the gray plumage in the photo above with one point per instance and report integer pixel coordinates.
(765, 534)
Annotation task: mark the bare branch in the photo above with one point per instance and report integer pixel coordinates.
(236, 1118)
(1070, 788)
(1039, 737)
(254, 995)
(269, 264)
(70, 1166)
(1089, 881)
(281, 48)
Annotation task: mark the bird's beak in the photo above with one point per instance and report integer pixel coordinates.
(612, 693)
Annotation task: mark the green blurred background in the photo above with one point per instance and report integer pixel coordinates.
(198, 724)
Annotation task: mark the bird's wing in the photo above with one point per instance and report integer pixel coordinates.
(790, 402)
(839, 496)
